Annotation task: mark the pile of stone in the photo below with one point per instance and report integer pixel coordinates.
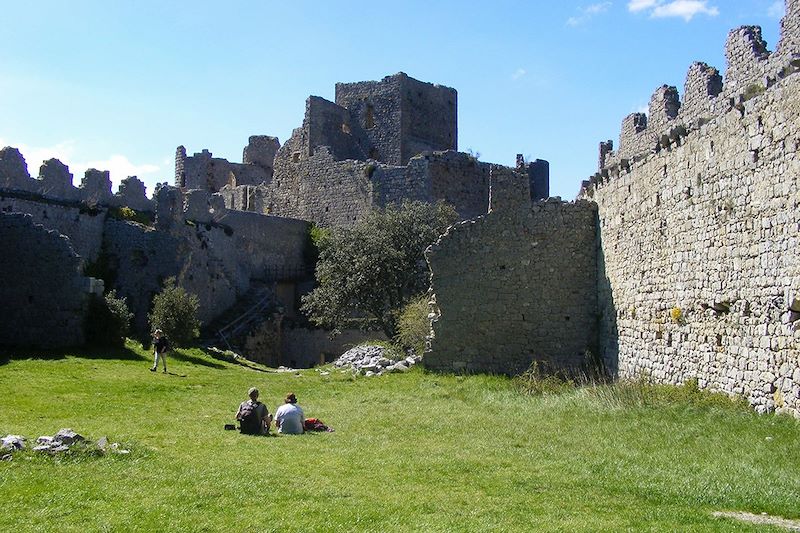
(371, 360)
(11, 443)
(59, 443)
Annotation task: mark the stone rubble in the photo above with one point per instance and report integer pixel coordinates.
(55, 444)
(371, 360)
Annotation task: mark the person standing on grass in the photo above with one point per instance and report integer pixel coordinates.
(253, 417)
(289, 418)
(160, 347)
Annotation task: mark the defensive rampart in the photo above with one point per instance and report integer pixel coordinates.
(699, 273)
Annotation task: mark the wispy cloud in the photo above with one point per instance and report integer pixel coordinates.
(520, 72)
(685, 9)
(777, 9)
(119, 166)
(639, 5)
(587, 13)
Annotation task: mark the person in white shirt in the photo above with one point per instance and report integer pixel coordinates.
(289, 417)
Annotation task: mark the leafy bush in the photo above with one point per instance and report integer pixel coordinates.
(109, 320)
(126, 213)
(175, 313)
(413, 325)
(368, 272)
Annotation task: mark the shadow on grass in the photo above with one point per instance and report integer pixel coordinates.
(180, 355)
(223, 356)
(119, 353)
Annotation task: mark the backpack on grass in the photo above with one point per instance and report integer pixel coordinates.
(249, 421)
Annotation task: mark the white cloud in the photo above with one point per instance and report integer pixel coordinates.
(639, 5)
(777, 9)
(685, 9)
(119, 166)
(520, 72)
(588, 12)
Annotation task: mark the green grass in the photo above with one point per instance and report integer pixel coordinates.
(411, 452)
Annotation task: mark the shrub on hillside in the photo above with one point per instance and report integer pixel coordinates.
(109, 320)
(413, 325)
(175, 313)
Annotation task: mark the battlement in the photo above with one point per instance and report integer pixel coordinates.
(54, 186)
(751, 70)
(55, 183)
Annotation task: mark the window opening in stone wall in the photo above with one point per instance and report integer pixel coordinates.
(345, 128)
(369, 118)
(296, 157)
(373, 154)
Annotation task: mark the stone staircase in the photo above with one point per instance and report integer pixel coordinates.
(229, 330)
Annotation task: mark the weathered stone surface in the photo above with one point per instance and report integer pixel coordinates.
(47, 301)
(704, 225)
(515, 286)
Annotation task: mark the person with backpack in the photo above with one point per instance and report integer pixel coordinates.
(253, 416)
(289, 417)
(160, 347)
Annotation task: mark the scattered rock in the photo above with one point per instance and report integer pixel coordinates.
(67, 437)
(7, 457)
(12, 442)
(371, 360)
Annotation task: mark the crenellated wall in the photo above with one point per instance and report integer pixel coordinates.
(751, 69)
(699, 264)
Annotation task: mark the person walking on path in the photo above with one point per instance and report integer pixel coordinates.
(289, 418)
(160, 347)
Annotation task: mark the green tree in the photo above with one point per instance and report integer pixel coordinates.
(109, 320)
(175, 313)
(368, 272)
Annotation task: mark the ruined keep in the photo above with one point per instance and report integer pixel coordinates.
(696, 269)
(381, 142)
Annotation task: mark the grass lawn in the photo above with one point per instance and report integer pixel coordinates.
(411, 452)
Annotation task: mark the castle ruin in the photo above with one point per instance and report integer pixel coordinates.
(678, 261)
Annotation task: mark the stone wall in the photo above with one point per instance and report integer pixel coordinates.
(327, 191)
(83, 224)
(699, 241)
(515, 286)
(45, 297)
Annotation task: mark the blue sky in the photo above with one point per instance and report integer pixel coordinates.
(119, 85)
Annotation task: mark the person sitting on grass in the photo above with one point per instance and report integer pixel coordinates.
(289, 417)
(253, 417)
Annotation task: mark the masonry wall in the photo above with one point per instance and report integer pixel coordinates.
(710, 222)
(515, 286)
(699, 240)
(44, 295)
(83, 224)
